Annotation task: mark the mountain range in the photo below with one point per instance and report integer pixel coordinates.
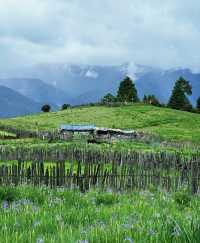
(14, 104)
(57, 84)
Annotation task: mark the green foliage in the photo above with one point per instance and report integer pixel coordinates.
(151, 100)
(178, 99)
(170, 124)
(108, 98)
(127, 91)
(106, 198)
(46, 108)
(198, 104)
(36, 196)
(70, 217)
(9, 194)
(182, 198)
(65, 106)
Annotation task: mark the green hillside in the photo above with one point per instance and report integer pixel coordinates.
(167, 123)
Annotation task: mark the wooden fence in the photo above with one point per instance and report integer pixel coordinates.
(117, 176)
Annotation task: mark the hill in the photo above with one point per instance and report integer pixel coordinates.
(168, 123)
(14, 104)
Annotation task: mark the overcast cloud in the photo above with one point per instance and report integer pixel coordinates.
(149, 32)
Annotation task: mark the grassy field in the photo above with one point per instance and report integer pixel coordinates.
(167, 123)
(41, 215)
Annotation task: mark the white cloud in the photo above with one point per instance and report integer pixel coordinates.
(92, 74)
(155, 33)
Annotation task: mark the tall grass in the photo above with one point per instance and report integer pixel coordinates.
(41, 215)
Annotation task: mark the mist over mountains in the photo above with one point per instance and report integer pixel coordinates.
(80, 84)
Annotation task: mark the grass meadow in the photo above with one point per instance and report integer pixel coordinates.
(41, 215)
(166, 123)
(60, 215)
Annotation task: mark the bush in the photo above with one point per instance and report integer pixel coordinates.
(65, 106)
(151, 100)
(9, 194)
(46, 108)
(182, 198)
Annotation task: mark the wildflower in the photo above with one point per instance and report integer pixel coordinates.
(5, 205)
(176, 231)
(129, 239)
(152, 232)
(127, 226)
(39, 240)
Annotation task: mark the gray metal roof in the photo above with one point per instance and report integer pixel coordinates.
(78, 127)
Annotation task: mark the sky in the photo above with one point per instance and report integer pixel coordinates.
(156, 33)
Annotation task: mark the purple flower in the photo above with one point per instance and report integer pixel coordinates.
(5, 205)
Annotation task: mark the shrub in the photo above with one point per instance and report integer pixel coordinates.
(65, 106)
(182, 198)
(46, 108)
(9, 194)
(151, 100)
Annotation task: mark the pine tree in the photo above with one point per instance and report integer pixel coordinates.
(178, 99)
(127, 91)
(198, 104)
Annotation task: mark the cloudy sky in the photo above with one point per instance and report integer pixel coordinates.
(149, 32)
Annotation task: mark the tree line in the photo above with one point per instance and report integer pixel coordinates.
(178, 100)
(127, 93)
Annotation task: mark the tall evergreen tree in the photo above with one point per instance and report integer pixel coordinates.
(178, 99)
(127, 91)
(198, 104)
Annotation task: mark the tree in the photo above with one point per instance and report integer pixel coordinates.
(178, 99)
(127, 91)
(46, 108)
(108, 98)
(65, 106)
(151, 100)
(198, 104)
(145, 99)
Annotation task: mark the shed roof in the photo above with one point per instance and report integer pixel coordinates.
(77, 127)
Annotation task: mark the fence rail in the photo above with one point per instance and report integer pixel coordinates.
(115, 176)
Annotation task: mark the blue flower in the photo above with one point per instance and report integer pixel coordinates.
(39, 240)
(129, 239)
(5, 205)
